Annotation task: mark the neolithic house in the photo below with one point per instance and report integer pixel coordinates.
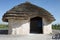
(28, 18)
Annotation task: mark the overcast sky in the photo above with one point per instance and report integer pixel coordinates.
(53, 6)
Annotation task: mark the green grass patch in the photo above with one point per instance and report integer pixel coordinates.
(3, 26)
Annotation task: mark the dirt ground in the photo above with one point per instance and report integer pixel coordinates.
(30, 37)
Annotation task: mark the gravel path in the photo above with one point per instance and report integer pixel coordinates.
(26, 37)
(56, 31)
(29, 37)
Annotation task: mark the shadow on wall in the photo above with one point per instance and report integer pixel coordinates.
(18, 23)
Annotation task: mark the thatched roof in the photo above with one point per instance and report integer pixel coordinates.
(26, 10)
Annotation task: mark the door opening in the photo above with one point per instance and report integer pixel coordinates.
(36, 25)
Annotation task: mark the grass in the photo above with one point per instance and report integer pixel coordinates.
(3, 26)
(56, 28)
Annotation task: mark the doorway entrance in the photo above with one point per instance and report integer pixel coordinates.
(36, 25)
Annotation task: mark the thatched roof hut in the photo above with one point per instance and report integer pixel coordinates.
(27, 18)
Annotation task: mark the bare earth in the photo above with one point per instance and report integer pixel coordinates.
(29, 37)
(26, 37)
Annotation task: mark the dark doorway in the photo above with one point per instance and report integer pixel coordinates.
(36, 25)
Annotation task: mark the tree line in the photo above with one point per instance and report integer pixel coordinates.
(56, 26)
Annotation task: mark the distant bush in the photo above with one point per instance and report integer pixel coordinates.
(3, 26)
(56, 26)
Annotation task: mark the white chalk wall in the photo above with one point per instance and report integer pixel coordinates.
(19, 27)
(22, 27)
(47, 28)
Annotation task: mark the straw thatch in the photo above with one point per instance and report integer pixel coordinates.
(25, 10)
